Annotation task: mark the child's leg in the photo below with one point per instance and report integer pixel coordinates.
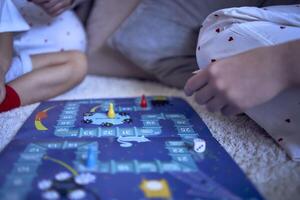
(52, 74)
(223, 36)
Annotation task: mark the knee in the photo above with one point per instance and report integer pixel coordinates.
(77, 63)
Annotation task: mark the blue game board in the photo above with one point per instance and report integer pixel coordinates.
(72, 150)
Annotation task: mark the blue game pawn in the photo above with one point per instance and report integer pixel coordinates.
(91, 161)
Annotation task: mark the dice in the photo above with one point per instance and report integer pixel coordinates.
(199, 145)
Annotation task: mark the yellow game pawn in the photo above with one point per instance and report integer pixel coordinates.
(111, 111)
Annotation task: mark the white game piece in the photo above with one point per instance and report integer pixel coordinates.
(51, 195)
(77, 194)
(84, 179)
(62, 176)
(44, 184)
(199, 145)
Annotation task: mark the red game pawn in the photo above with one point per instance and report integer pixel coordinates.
(143, 103)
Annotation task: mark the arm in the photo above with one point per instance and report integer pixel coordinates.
(6, 50)
(291, 61)
(76, 2)
(246, 80)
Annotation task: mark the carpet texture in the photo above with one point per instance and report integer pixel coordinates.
(266, 165)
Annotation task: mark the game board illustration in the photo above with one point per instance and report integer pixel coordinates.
(119, 149)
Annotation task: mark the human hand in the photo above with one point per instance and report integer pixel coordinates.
(235, 84)
(53, 7)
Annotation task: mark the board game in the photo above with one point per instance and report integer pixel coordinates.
(119, 149)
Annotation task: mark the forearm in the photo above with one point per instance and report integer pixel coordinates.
(6, 49)
(290, 59)
(76, 2)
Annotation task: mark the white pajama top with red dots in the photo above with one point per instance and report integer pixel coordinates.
(232, 31)
(36, 32)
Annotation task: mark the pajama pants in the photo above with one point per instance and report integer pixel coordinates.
(232, 31)
(160, 36)
(46, 35)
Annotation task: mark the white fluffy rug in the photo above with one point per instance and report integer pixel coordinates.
(267, 166)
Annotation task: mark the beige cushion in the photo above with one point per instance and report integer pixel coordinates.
(104, 19)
